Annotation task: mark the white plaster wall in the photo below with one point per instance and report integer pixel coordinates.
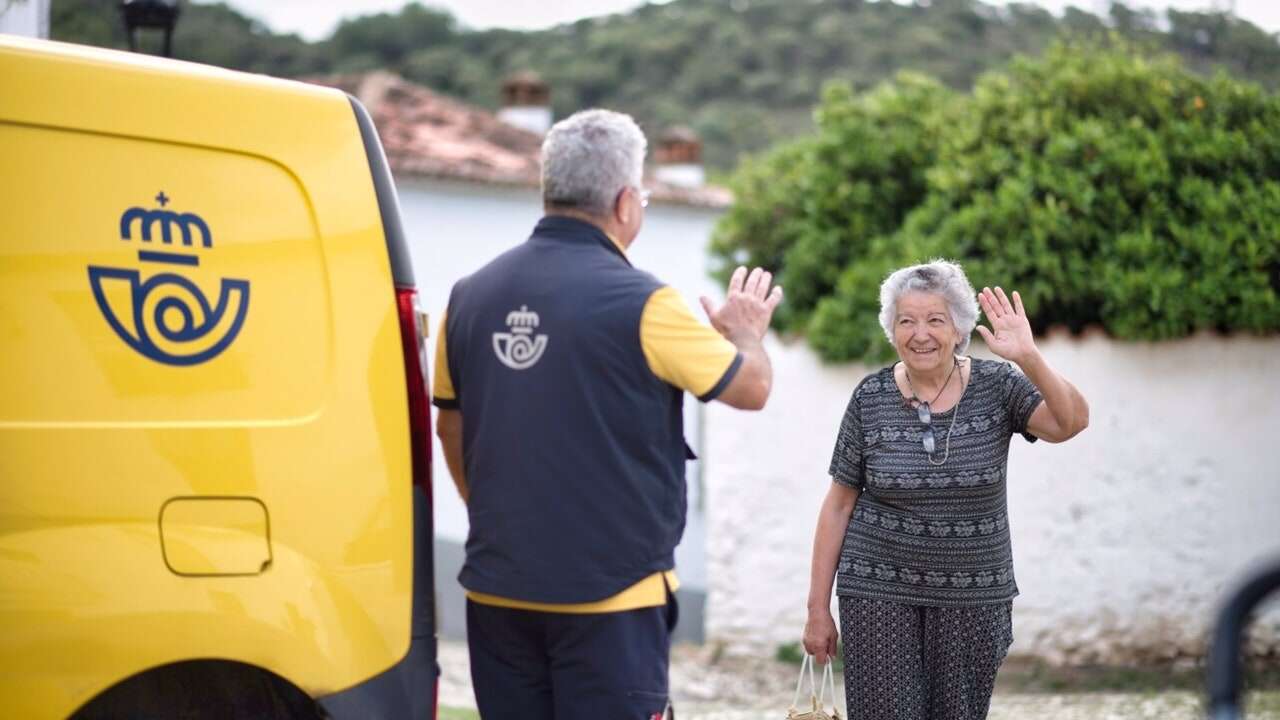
(25, 17)
(455, 228)
(1123, 538)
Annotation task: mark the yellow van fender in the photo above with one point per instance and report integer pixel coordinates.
(294, 619)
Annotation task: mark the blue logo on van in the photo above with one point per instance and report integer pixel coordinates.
(166, 316)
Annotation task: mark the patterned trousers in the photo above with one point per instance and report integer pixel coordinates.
(910, 662)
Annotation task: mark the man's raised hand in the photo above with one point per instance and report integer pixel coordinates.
(748, 306)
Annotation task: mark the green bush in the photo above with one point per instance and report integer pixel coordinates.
(1109, 187)
(810, 207)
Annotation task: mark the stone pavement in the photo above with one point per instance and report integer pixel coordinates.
(708, 688)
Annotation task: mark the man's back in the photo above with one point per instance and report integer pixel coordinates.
(573, 447)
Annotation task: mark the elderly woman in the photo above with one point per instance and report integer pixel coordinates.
(914, 529)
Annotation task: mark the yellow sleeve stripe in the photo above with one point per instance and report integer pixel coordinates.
(682, 351)
(442, 391)
(649, 592)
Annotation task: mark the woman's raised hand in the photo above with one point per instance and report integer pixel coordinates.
(820, 637)
(1010, 334)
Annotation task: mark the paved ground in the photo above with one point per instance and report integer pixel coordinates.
(706, 688)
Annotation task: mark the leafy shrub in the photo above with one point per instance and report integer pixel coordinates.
(1109, 187)
(810, 207)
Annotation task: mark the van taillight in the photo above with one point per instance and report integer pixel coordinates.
(412, 334)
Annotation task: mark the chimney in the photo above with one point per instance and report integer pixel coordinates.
(526, 102)
(157, 15)
(679, 158)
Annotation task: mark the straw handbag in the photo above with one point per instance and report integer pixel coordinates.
(817, 694)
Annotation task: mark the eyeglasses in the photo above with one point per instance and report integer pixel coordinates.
(926, 417)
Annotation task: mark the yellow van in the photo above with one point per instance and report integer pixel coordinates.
(214, 441)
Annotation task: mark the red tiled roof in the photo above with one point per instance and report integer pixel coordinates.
(428, 134)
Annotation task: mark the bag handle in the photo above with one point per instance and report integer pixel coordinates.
(822, 689)
(817, 692)
(805, 664)
(829, 678)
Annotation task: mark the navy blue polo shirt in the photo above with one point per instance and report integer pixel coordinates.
(569, 367)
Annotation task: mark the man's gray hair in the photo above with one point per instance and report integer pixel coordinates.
(939, 277)
(589, 157)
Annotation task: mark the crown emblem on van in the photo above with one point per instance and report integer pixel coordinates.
(167, 220)
(167, 317)
(520, 349)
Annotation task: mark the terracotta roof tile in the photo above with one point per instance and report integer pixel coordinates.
(428, 134)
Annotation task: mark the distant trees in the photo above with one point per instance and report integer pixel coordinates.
(1110, 187)
(213, 34)
(744, 73)
(388, 40)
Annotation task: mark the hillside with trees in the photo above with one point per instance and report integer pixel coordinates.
(743, 73)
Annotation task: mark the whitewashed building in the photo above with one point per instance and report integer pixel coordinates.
(29, 18)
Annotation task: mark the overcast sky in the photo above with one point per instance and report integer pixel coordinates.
(315, 19)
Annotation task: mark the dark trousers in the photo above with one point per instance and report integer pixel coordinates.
(909, 662)
(557, 666)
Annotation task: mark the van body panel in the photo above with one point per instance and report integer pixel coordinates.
(253, 253)
(303, 410)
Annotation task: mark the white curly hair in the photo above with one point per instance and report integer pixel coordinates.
(940, 277)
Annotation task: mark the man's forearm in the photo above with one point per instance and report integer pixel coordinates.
(453, 458)
(756, 368)
(449, 430)
(744, 320)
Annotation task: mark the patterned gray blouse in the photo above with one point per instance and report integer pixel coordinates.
(923, 534)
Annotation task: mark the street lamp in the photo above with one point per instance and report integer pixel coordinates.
(151, 15)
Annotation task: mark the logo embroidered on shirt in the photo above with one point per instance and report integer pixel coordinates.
(520, 348)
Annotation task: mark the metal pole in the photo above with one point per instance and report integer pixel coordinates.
(1225, 667)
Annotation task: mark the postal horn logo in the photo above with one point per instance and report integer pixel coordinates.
(520, 348)
(165, 315)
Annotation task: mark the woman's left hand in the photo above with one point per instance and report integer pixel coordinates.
(1010, 334)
